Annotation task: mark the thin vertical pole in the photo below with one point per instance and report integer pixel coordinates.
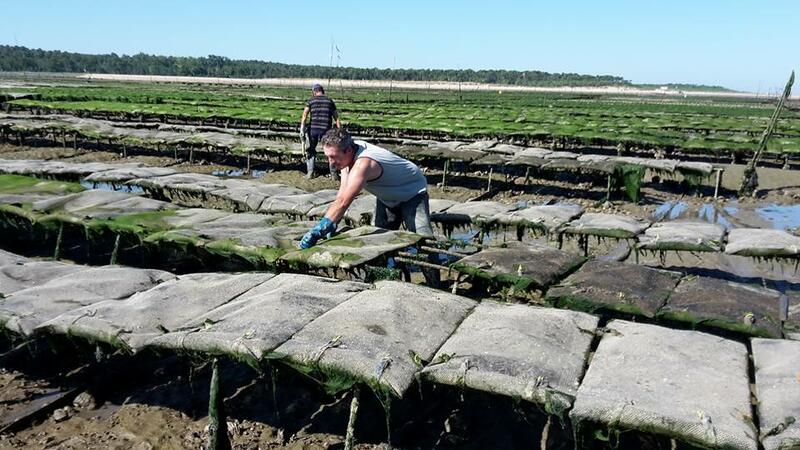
(718, 182)
(350, 436)
(115, 252)
(57, 251)
(444, 175)
(217, 423)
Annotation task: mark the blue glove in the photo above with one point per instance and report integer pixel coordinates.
(324, 228)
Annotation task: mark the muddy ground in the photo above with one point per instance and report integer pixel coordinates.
(156, 401)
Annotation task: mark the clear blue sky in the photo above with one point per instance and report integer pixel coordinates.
(741, 44)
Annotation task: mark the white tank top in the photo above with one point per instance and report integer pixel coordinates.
(400, 180)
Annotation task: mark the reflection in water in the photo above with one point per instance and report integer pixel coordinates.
(237, 173)
(709, 213)
(670, 210)
(781, 217)
(112, 187)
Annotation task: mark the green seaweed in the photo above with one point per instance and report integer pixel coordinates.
(376, 273)
(258, 256)
(662, 246)
(585, 304)
(693, 178)
(518, 282)
(332, 378)
(629, 177)
(20, 184)
(730, 325)
(138, 223)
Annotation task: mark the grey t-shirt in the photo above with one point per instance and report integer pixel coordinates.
(400, 180)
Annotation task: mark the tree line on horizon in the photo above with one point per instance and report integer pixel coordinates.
(23, 59)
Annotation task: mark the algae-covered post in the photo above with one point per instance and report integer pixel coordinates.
(57, 250)
(750, 178)
(115, 251)
(217, 422)
(350, 436)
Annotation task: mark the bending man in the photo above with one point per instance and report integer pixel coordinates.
(323, 113)
(399, 185)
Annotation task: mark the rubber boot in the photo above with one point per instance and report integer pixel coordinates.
(310, 167)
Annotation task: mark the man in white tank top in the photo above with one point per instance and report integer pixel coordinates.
(399, 185)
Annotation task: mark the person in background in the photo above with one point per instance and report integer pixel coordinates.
(323, 114)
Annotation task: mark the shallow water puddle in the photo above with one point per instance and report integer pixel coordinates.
(670, 210)
(709, 213)
(779, 217)
(238, 173)
(104, 186)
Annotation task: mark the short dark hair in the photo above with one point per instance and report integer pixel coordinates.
(339, 138)
(317, 88)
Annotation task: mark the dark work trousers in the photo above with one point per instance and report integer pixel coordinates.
(415, 215)
(314, 136)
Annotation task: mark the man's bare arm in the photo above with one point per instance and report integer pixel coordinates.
(305, 114)
(336, 116)
(353, 181)
(343, 177)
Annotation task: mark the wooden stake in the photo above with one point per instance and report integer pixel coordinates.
(217, 423)
(444, 175)
(718, 182)
(489, 185)
(443, 252)
(57, 251)
(546, 432)
(750, 178)
(115, 252)
(349, 440)
(417, 262)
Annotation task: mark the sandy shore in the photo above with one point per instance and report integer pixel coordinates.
(420, 85)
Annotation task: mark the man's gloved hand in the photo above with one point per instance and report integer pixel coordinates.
(302, 130)
(324, 228)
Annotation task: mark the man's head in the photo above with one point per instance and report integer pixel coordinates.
(339, 148)
(317, 89)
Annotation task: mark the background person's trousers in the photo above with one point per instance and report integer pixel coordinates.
(314, 136)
